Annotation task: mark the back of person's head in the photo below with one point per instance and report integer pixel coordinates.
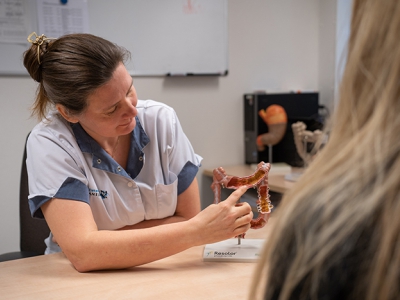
(336, 234)
(70, 68)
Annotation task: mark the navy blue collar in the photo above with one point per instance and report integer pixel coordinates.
(102, 160)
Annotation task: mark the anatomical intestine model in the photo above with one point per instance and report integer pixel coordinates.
(301, 139)
(259, 180)
(276, 119)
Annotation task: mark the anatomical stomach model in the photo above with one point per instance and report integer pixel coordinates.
(259, 180)
(276, 119)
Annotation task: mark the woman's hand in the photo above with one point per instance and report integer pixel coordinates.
(224, 220)
(88, 248)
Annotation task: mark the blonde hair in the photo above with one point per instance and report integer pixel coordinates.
(336, 234)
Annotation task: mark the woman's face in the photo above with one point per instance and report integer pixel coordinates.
(111, 108)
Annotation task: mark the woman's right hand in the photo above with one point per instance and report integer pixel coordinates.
(89, 248)
(224, 220)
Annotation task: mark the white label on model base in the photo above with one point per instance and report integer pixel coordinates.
(230, 251)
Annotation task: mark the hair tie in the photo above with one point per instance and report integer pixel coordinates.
(38, 41)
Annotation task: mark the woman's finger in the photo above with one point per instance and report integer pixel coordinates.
(243, 208)
(244, 219)
(235, 196)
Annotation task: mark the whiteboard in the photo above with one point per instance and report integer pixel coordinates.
(11, 53)
(165, 37)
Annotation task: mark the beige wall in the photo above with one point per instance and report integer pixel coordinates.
(273, 45)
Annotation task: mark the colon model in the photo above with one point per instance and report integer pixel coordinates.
(258, 180)
(276, 119)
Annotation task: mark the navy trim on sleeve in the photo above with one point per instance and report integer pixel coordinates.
(34, 205)
(71, 188)
(186, 176)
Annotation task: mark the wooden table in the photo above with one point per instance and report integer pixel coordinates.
(276, 177)
(181, 276)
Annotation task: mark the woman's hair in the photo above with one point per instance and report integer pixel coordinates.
(70, 68)
(336, 234)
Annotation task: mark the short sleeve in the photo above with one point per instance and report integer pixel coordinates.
(54, 167)
(183, 160)
(169, 146)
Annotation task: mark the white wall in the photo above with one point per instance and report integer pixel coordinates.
(273, 45)
(327, 52)
(344, 9)
(15, 100)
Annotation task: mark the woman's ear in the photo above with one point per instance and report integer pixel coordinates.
(66, 114)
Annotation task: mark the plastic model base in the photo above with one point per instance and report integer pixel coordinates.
(230, 251)
(293, 176)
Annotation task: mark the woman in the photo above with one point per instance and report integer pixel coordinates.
(337, 233)
(114, 176)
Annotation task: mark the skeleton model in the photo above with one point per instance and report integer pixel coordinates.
(302, 137)
(259, 180)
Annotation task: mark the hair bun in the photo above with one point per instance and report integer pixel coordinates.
(33, 57)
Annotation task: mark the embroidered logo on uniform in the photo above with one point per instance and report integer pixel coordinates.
(101, 193)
